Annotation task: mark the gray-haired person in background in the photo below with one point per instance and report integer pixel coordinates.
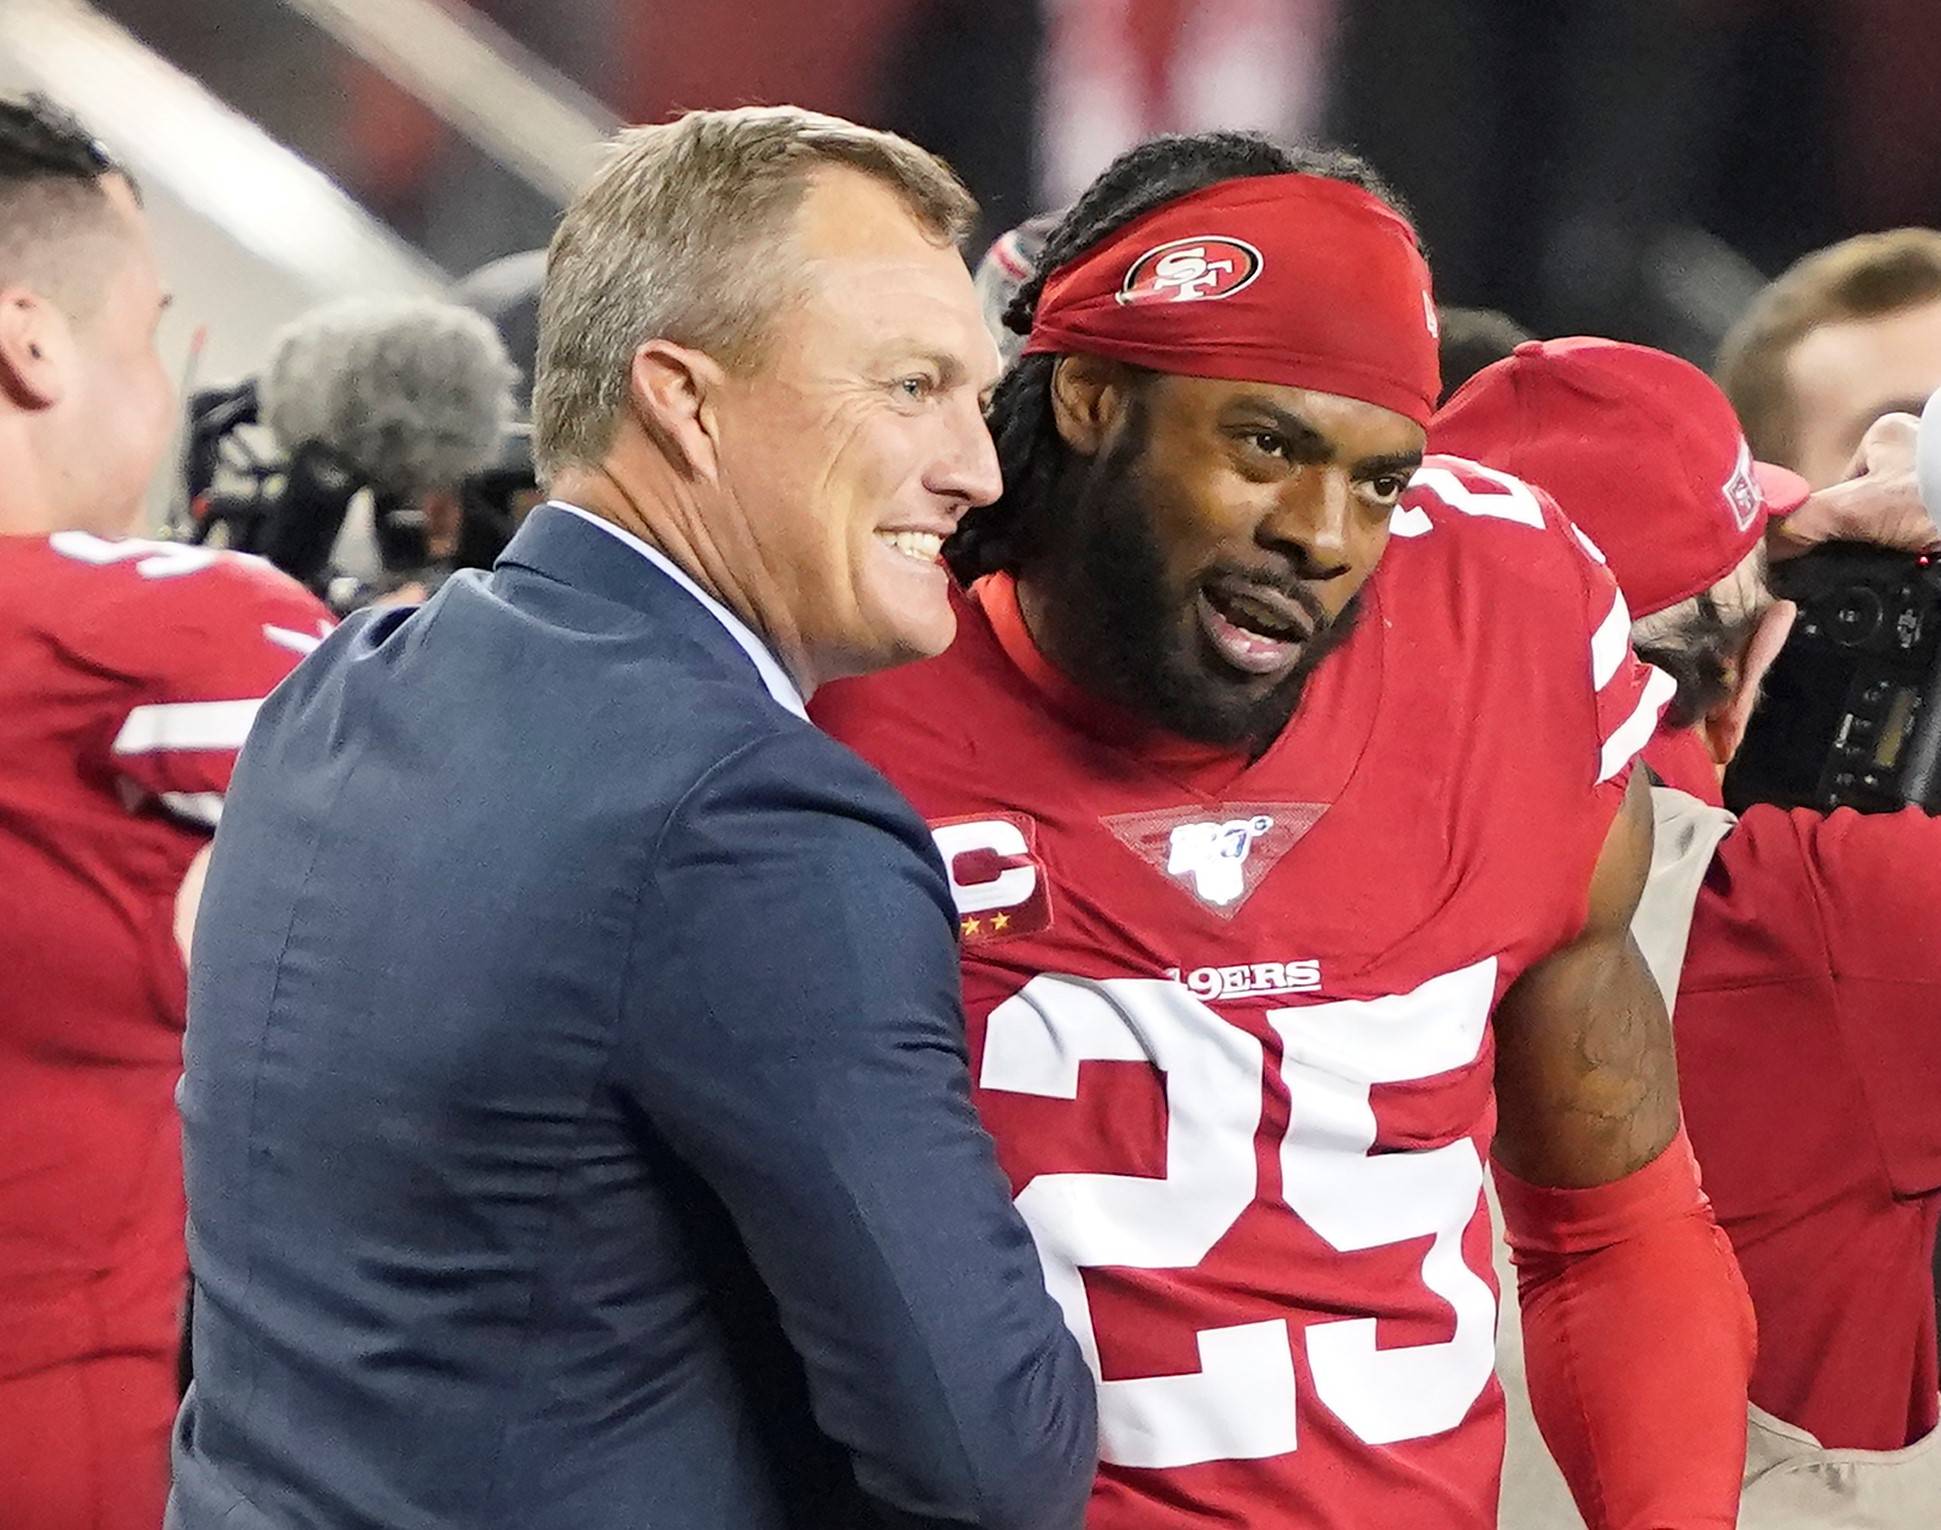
(577, 1122)
(1010, 262)
(410, 397)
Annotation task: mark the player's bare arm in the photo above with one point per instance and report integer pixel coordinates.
(1637, 1330)
(1586, 1078)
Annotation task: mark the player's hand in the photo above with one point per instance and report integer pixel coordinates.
(1879, 501)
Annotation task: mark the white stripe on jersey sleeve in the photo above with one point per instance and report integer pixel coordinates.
(197, 807)
(186, 725)
(1635, 731)
(1611, 643)
(294, 639)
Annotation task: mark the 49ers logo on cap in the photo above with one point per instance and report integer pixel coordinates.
(1186, 270)
(1742, 496)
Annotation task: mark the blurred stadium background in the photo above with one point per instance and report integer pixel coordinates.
(1602, 166)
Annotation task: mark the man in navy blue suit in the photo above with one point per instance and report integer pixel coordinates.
(576, 1114)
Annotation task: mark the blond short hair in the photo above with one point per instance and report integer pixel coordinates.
(1860, 278)
(675, 238)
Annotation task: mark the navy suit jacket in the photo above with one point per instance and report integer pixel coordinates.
(576, 1116)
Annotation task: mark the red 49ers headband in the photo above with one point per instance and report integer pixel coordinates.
(1293, 279)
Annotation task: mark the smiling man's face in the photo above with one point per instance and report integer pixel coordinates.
(859, 441)
(1214, 546)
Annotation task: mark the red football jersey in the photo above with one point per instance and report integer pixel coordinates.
(131, 672)
(1229, 1021)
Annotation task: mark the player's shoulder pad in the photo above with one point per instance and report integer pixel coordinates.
(1479, 512)
(1472, 522)
(174, 574)
(1464, 526)
(138, 601)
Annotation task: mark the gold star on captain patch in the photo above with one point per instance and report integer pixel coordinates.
(998, 922)
(971, 926)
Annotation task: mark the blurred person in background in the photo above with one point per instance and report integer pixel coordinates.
(1560, 156)
(1849, 332)
(1469, 339)
(495, 502)
(1799, 947)
(390, 405)
(1113, 73)
(1844, 336)
(576, 1120)
(1262, 960)
(129, 672)
(1010, 262)
(379, 447)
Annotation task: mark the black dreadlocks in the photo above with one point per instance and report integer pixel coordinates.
(1030, 453)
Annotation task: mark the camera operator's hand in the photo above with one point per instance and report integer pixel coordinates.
(1879, 501)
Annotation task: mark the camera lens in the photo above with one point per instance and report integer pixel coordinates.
(1856, 619)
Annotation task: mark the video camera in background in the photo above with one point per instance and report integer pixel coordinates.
(496, 498)
(1850, 715)
(413, 403)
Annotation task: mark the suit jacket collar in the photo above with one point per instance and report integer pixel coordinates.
(563, 544)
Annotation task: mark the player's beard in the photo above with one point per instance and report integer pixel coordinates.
(1127, 631)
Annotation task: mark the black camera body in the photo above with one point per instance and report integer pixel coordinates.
(1850, 715)
(245, 494)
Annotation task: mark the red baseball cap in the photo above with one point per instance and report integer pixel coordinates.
(1639, 448)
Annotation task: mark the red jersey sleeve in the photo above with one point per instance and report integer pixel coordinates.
(1631, 696)
(200, 637)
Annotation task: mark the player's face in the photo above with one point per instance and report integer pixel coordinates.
(1220, 542)
(125, 402)
(862, 433)
(1843, 377)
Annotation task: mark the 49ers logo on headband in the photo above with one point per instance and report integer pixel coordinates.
(1188, 270)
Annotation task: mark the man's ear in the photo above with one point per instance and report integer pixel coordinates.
(34, 345)
(1725, 729)
(674, 391)
(1088, 396)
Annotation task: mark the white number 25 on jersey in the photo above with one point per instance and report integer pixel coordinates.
(1240, 1403)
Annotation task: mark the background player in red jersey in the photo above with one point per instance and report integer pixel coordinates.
(1271, 893)
(130, 674)
(1799, 944)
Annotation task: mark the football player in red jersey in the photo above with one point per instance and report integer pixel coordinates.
(1279, 916)
(132, 669)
